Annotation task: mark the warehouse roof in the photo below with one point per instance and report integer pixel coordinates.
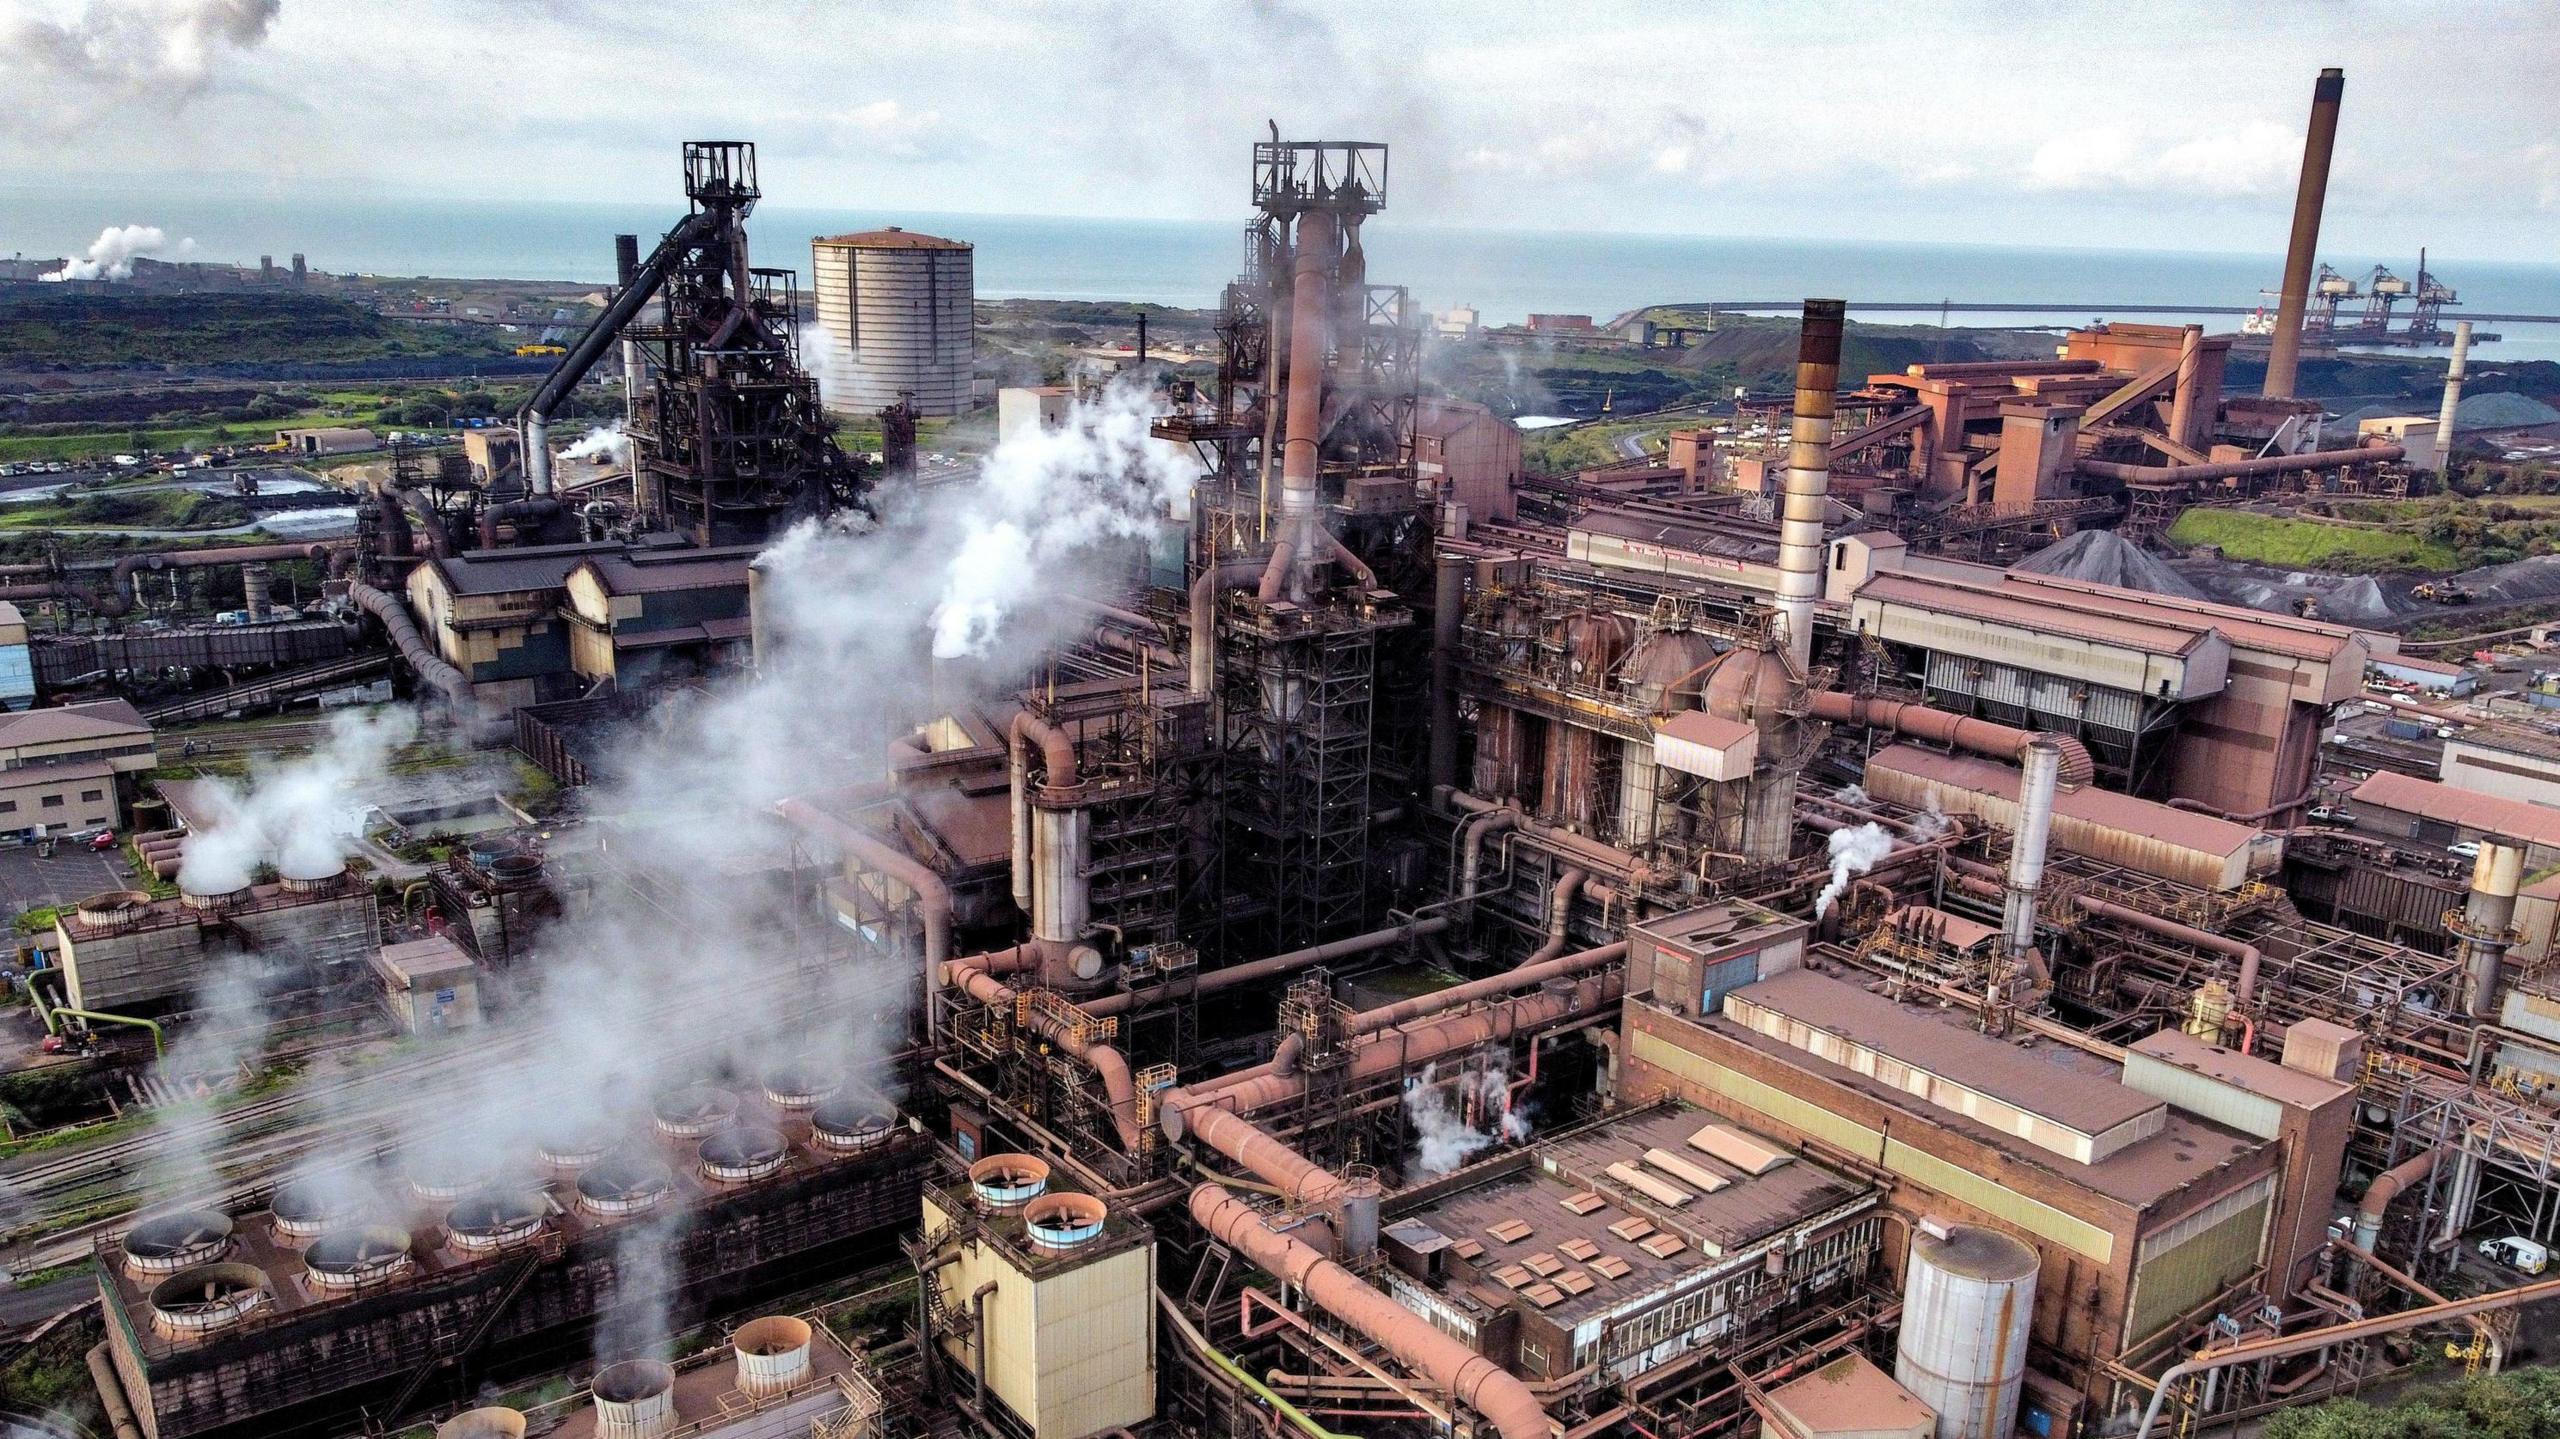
(639, 572)
(2027, 1079)
(531, 567)
(2246, 628)
(892, 237)
(1850, 1395)
(1981, 602)
(2088, 804)
(98, 719)
(2464, 808)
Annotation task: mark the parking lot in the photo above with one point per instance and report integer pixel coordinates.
(28, 881)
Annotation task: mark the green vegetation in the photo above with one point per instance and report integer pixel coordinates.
(2519, 1404)
(147, 509)
(52, 1376)
(1560, 450)
(2312, 544)
(216, 329)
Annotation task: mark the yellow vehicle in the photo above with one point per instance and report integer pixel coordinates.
(542, 349)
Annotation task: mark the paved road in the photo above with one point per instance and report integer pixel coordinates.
(25, 1308)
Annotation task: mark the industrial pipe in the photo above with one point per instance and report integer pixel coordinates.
(933, 897)
(1280, 964)
(2039, 777)
(119, 600)
(432, 669)
(1298, 545)
(693, 230)
(111, 1396)
(2452, 397)
(2302, 250)
(1559, 916)
(1448, 610)
(1226, 574)
(2386, 1187)
(2255, 816)
(2488, 920)
(1471, 844)
(2186, 422)
(2242, 469)
(1921, 722)
(1457, 1369)
(1808, 486)
(2244, 988)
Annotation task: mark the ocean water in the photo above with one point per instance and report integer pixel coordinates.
(1505, 274)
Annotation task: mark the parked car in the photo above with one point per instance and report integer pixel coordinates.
(2468, 849)
(2517, 1252)
(2331, 814)
(103, 840)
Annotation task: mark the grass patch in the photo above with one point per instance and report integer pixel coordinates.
(149, 509)
(115, 439)
(2310, 544)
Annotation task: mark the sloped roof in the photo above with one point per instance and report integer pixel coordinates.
(892, 238)
(98, 719)
(2467, 809)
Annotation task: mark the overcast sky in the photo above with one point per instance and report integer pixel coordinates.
(2138, 123)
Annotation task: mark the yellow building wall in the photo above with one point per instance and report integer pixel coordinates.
(1071, 1351)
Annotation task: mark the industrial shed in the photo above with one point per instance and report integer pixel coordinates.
(2139, 834)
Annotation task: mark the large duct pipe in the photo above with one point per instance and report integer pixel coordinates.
(1277, 965)
(119, 600)
(1539, 968)
(2386, 1187)
(1226, 574)
(2040, 777)
(2242, 469)
(2302, 251)
(1051, 835)
(626, 268)
(1455, 1368)
(933, 897)
(2244, 988)
(2186, 422)
(2488, 921)
(2452, 397)
(690, 233)
(1979, 736)
(1299, 546)
(1808, 477)
(1448, 609)
(431, 668)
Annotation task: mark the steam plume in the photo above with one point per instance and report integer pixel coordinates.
(112, 255)
(605, 442)
(1854, 851)
(1454, 1122)
(302, 815)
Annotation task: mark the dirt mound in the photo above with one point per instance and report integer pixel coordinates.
(2525, 580)
(2103, 557)
(2357, 602)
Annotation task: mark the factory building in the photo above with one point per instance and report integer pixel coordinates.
(17, 662)
(541, 622)
(71, 768)
(2510, 762)
(328, 440)
(899, 307)
(125, 951)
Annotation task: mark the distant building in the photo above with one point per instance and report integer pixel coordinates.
(71, 768)
(1023, 409)
(1457, 323)
(17, 662)
(900, 308)
(1561, 324)
(496, 456)
(2427, 674)
(2413, 433)
(328, 439)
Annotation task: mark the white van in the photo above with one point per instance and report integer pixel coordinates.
(2517, 1252)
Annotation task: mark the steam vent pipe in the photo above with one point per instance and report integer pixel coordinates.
(1318, 237)
(2285, 358)
(1808, 477)
(1452, 1366)
(2452, 397)
(1448, 609)
(2042, 766)
(2488, 920)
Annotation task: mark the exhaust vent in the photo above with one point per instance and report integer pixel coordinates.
(1006, 1182)
(773, 1354)
(1063, 1221)
(635, 1399)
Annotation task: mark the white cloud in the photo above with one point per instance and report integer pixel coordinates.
(69, 69)
(2256, 158)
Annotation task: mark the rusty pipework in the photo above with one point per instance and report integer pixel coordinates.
(1274, 966)
(1226, 574)
(1800, 528)
(1978, 736)
(1045, 835)
(433, 669)
(933, 897)
(2386, 1187)
(1455, 1368)
(1298, 545)
(2242, 469)
(2284, 357)
(119, 601)
(2244, 988)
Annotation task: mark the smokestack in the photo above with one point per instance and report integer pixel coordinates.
(1808, 477)
(2040, 777)
(626, 267)
(626, 260)
(2185, 425)
(2452, 398)
(2286, 355)
(1298, 541)
(1448, 602)
(2488, 917)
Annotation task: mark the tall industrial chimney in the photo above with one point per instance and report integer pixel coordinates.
(2488, 919)
(626, 268)
(1808, 477)
(2041, 777)
(2299, 256)
(2452, 398)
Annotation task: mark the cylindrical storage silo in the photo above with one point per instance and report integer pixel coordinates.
(1968, 1300)
(635, 1399)
(898, 311)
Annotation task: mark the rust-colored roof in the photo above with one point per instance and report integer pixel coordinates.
(2467, 809)
(2049, 617)
(2245, 628)
(2088, 804)
(892, 238)
(2257, 1076)
(99, 719)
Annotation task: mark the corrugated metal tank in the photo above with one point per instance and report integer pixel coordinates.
(899, 307)
(1968, 1300)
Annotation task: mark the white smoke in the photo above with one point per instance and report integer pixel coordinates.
(112, 255)
(622, 999)
(604, 442)
(225, 1034)
(828, 361)
(1930, 823)
(1455, 1121)
(301, 815)
(1048, 496)
(1854, 851)
(1854, 795)
(92, 71)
